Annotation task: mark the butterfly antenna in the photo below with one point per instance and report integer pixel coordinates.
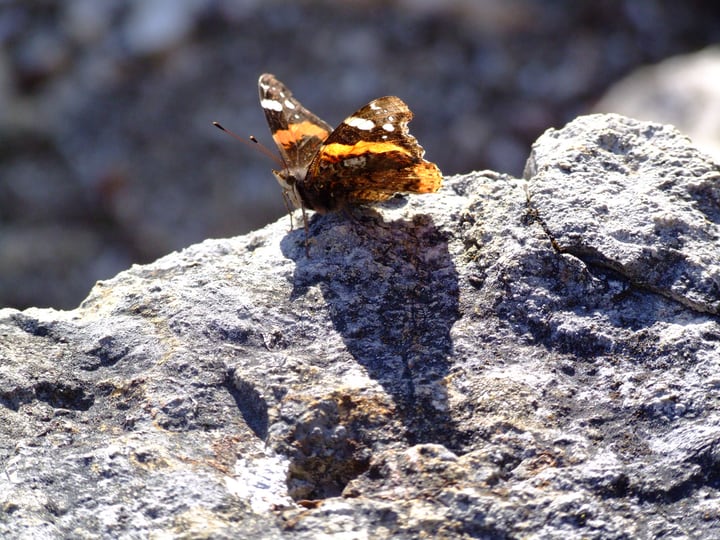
(257, 144)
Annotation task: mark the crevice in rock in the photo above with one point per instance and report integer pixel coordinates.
(533, 216)
(250, 402)
(107, 352)
(62, 396)
(15, 398)
(57, 395)
(36, 328)
(592, 258)
(30, 325)
(671, 493)
(617, 488)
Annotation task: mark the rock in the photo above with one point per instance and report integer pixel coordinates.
(657, 226)
(682, 90)
(507, 358)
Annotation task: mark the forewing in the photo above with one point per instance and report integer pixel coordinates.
(297, 132)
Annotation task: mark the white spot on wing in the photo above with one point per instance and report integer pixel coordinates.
(355, 162)
(360, 123)
(388, 127)
(271, 104)
(289, 104)
(374, 106)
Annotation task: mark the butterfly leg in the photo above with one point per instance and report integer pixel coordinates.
(288, 207)
(307, 232)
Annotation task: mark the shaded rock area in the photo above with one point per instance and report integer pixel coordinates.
(508, 358)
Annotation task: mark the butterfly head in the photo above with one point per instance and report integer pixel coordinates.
(288, 179)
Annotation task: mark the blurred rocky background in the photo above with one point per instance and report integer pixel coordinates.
(107, 152)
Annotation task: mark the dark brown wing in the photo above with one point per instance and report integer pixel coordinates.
(297, 132)
(368, 158)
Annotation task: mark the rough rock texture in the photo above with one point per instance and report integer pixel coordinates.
(509, 358)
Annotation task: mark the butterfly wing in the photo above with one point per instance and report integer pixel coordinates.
(297, 132)
(368, 158)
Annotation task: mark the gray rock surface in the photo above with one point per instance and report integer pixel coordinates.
(509, 358)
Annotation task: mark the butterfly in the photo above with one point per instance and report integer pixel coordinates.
(367, 159)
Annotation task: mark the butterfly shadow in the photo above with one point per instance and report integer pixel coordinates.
(391, 290)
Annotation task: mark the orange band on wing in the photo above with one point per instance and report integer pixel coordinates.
(342, 151)
(295, 132)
